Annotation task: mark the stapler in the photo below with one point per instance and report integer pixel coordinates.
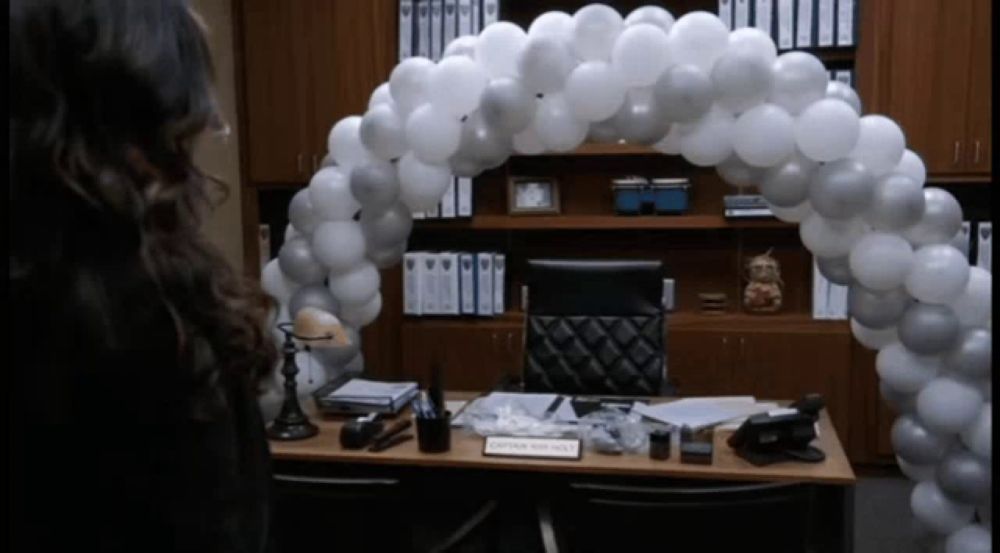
(359, 432)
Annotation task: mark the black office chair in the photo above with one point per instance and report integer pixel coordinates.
(595, 328)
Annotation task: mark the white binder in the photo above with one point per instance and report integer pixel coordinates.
(450, 22)
(437, 29)
(499, 283)
(405, 29)
(412, 283)
(845, 22)
(726, 12)
(804, 24)
(763, 11)
(824, 23)
(423, 42)
(741, 14)
(448, 201)
(484, 289)
(786, 24)
(984, 245)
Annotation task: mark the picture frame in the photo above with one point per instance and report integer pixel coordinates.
(533, 196)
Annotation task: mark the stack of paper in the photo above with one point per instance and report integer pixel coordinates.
(702, 412)
(360, 395)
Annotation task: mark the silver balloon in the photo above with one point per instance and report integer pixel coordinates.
(876, 309)
(835, 269)
(742, 80)
(902, 403)
(384, 258)
(507, 105)
(387, 227)
(298, 263)
(841, 91)
(684, 93)
(313, 295)
(337, 357)
(897, 202)
(916, 444)
(482, 143)
(382, 131)
(941, 220)
(787, 185)
(603, 132)
(964, 477)
(375, 185)
(928, 328)
(841, 189)
(737, 172)
(971, 356)
(301, 214)
(640, 120)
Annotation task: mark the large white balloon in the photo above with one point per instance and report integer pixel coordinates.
(330, 195)
(357, 286)
(555, 125)
(799, 80)
(462, 46)
(527, 142)
(827, 130)
(432, 134)
(380, 95)
(897, 203)
(383, 131)
(654, 15)
(940, 221)
(555, 24)
(345, 144)
(640, 55)
(454, 85)
(752, 40)
(595, 29)
(873, 338)
(978, 436)
(880, 144)
(933, 508)
(339, 245)
(947, 405)
(912, 166)
(828, 237)
(794, 214)
(880, 261)
(498, 47)
(544, 64)
(904, 371)
(939, 274)
(361, 315)
(742, 80)
(408, 83)
(276, 284)
(974, 538)
(698, 38)
(765, 120)
(421, 185)
(709, 141)
(974, 305)
(594, 92)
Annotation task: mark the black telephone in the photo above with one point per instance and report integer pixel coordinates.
(765, 439)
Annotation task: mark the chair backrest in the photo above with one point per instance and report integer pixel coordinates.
(594, 327)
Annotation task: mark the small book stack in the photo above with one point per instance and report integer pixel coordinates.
(713, 303)
(357, 396)
(746, 205)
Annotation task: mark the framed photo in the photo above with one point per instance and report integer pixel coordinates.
(533, 196)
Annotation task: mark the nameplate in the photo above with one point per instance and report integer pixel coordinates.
(539, 448)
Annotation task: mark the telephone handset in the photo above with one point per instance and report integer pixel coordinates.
(765, 439)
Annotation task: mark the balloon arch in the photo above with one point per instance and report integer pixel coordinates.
(717, 98)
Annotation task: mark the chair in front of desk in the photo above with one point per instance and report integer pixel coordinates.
(594, 328)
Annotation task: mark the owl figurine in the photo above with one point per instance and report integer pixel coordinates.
(763, 293)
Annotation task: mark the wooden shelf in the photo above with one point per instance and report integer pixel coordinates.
(599, 222)
(827, 54)
(601, 149)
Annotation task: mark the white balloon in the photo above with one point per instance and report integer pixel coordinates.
(671, 142)
(594, 92)
(454, 85)
(974, 538)
(380, 95)
(432, 134)
(941, 220)
(839, 91)
(338, 245)
(276, 284)
(741, 80)
(358, 316)
(556, 24)
(383, 131)
(880, 144)
(933, 508)
(974, 305)
(904, 371)
(912, 166)
(498, 47)
(544, 64)
(897, 203)
(330, 194)
(654, 15)
(357, 286)
(290, 232)
(698, 38)
(881, 260)
(421, 185)
(527, 142)
(408, 83)
(948, 406)
(873, 338)
(345, 144)
(595, 28)
(978, 436)
(754, 41)
(764, 135)
(794, 214)
(709, 141)
(555, 125)
(827, 130)
(462, 46)
(640, 54)
(799, 80)
(830, 238)
(918, 473)
(940, 274)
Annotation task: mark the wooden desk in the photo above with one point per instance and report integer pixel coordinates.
(466, 452)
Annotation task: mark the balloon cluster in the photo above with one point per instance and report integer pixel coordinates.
(717, 98)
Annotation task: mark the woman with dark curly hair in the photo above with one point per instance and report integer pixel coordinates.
(135, 421)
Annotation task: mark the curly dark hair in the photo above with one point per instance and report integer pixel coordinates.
(107, 100)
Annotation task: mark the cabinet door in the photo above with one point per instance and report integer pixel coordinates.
(699, 362)
(352, 51)
(472, 357)
(924, 73)
(788, 366)
(276, 93)
(980, 157)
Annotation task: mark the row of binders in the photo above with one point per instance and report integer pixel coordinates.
(975, 240)
(796, 23)
(845, 76)
(426, 27)
(454, 283)
(456, 202)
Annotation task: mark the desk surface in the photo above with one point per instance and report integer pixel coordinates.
(466, 452)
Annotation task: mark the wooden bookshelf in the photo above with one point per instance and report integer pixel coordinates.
(598, 222)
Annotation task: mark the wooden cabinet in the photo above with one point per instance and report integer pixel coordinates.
(927, 66)
(306, 65)
(473, 356)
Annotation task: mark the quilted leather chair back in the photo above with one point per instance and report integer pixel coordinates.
(594, 327)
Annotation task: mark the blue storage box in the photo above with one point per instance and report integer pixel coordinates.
(632, 196)
(670, 196)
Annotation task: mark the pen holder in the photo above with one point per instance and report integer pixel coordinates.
(434, 433)
(659, 444)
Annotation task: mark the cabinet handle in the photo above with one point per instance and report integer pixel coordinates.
(742, 343)
(725, 340)
(976, 160)
(298, 163)
(510, 341)
(494, 340)
(958, 149)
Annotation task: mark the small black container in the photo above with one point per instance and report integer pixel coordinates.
(434, 433)
(659, 444)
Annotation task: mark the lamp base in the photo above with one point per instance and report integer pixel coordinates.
(284, 431)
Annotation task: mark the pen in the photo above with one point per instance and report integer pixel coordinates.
(396, 428)
(386, 444)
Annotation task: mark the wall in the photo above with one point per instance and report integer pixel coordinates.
(219, 155)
